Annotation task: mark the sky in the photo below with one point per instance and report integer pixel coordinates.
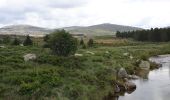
(65, 13)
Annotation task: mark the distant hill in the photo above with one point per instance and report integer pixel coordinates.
(24, 30)
(95, 30)
(101, 29)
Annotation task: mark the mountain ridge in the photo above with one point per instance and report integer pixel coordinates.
(93, 30)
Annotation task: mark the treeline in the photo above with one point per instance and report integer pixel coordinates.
(153, 35)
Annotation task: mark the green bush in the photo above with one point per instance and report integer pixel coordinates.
(62, 43)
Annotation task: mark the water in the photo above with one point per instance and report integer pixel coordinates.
(155, 85)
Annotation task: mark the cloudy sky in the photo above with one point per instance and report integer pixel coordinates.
(64, 13)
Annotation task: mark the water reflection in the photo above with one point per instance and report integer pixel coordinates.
(153, 85)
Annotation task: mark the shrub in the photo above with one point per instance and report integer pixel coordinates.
(62, 43)
(16, 42)
(90, 42)
(28, 41)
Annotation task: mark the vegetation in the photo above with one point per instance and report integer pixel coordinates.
(87, 77)
(16, 41)
(28, 41)
(62, 43)
(154, 35)
(6, 40)
(90, 43)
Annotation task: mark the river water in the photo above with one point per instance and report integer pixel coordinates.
(155, 85)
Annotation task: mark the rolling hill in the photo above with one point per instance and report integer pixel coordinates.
(95, 30)
(101, 29)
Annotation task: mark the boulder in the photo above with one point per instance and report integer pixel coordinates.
(130, 86)
(117, 89)
(2, 46)
(144, 65)
(122, 73)
(29, 57)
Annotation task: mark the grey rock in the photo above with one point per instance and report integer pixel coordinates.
(144, 65)
(29, 57)
(130, 86)
(78, 55)
(122, 73)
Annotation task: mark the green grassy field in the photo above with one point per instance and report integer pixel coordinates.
(89, 77)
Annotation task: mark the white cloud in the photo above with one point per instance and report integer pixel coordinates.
(61, 13)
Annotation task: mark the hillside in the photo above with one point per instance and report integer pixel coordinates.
(95, 30)
(101, 29)
(24, 30)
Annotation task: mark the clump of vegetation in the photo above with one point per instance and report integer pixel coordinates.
(6, 40)
(90, 43)
(154, 35)
(28, 41)
(62, 43)
(89, 77)
(16, 41)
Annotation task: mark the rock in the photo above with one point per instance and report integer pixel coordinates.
(88, 52)
(2, 46)
(107, 52)
(133, 77)
(122, 73)
(130, 86)
(78, 55)
(131, 57)
(29, 57)
(117, 89)
(125, 54)
(144, 65)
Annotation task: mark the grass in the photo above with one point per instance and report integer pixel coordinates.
(89, 77)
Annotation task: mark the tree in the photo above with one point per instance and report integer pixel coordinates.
(81, 42)
(62, 43)
(90, 43)
(46, 38)
(16, 42)
(27, 41)
(6, 40)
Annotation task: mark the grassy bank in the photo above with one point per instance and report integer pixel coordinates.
(89, 77)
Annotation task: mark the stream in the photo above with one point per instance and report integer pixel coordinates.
(154, 85)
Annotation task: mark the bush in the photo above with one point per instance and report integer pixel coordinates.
(16, 41)
(62, 43)
(28, 41)
(90, 42)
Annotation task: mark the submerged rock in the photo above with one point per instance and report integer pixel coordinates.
(29, 57)
(144, 65)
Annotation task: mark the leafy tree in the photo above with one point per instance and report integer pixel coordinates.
(28, 41)
(81, 42)
(46, 38)
(90, 43)
(62, 43)
(6, 40)
(16, 42)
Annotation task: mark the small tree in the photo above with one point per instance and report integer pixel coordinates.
(16, 42)
(27, 41)
(46, 38)
(81, 42)
(90, 43)
(6, 40)
(62, 43)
